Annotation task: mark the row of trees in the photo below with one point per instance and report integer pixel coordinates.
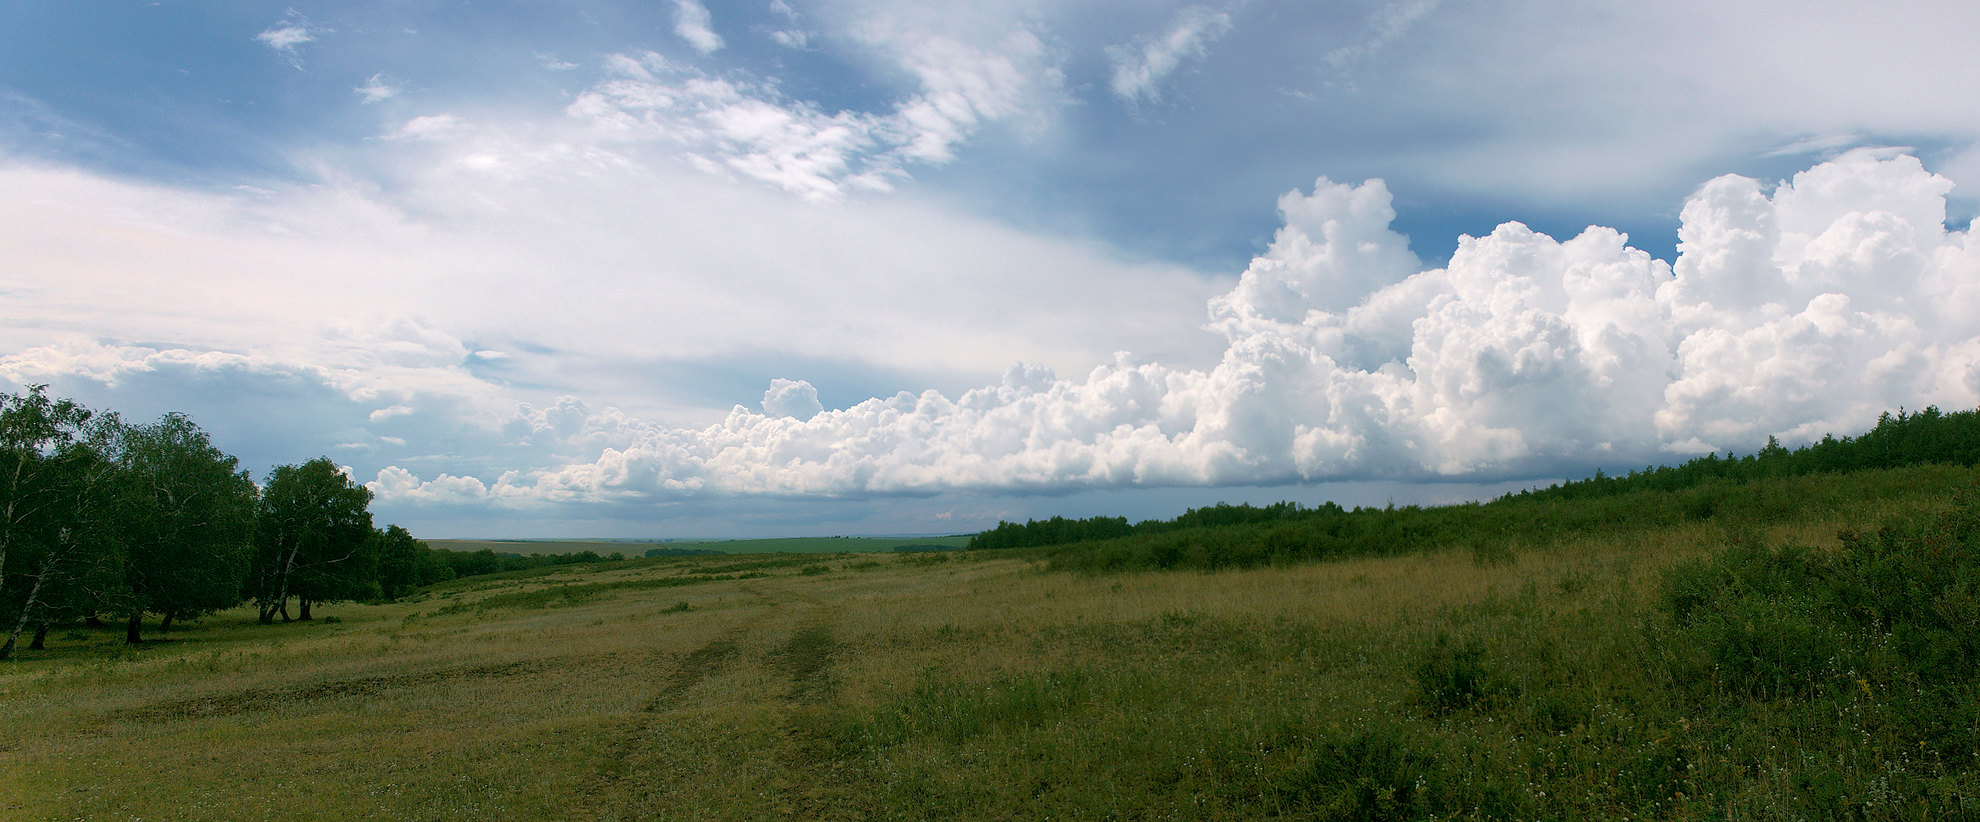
(1901, 439)
(1036, 533)
(100, 517)
(1752, 488)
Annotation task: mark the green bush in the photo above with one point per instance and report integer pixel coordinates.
(1454, 675)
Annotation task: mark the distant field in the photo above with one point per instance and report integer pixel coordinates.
(790, 545)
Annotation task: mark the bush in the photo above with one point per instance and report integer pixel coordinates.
(1864, 657)
(1454, 676)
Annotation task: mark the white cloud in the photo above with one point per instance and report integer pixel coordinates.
(793, 37)
(377, 90)
(796, 399)
(471, 282)
(286, 38)
(751, 129)
(426, 127)
(1140, 69)
(691, 23)
(400, 485)
(748, 130)
(1801, 312)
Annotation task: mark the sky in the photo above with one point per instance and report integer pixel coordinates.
(808, 267)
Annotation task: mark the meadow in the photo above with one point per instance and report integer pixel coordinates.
(1624, 669)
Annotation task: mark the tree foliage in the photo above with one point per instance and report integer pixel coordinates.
(186, 520)
(55, 551)
(314, 539)
(99, 517)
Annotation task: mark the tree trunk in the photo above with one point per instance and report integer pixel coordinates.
(288, 566)
(166, 623)
(27, 608)
(305, 611)
(131, 629)
(40, 641)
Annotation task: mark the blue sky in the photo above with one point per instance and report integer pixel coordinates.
(866, 266)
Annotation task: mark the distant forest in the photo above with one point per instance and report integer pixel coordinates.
(1222, 535)
(104, 518)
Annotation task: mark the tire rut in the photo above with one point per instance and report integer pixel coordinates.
(815, 780)
(262, 699)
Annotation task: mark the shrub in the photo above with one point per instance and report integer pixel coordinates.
(1453, 676)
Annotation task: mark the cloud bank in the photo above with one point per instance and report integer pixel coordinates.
(1794, 312)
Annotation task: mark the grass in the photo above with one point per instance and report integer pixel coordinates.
(1547, 680)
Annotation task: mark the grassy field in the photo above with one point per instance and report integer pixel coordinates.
(1537, 682)
(633, 548)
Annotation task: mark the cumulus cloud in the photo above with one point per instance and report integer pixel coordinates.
(796, 399)
(1793, 312)
(1140, 68)
(400, 485)
(692, 23)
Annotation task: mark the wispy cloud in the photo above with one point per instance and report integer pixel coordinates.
(738, 126)
(792, 37)
(1385, 26)
(692, 23)
(1141, 68)
(376, 89)
(288, 36)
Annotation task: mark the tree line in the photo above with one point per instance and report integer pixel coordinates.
(104, 518)
(1899, 440)
(1035, 533)
(1747, 487)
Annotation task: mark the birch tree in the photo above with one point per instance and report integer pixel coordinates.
(186, 522)
(313, 539)
(56, 467)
